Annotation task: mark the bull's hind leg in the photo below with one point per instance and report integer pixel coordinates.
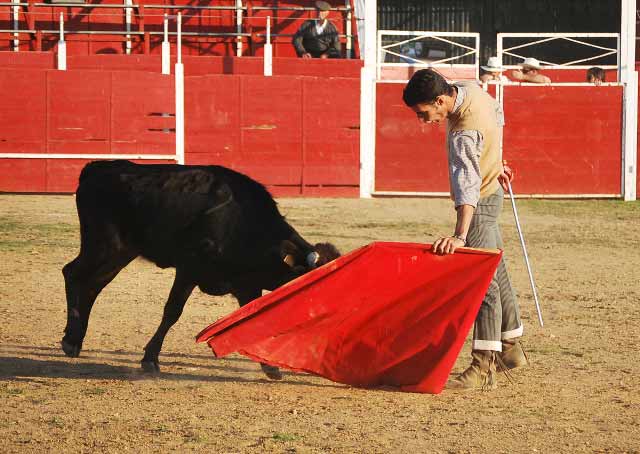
(246, 296)
(180, 292)
(84, 279)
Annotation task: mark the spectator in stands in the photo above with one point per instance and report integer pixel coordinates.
(493, 71)
(530, 72)
(477, 176)
(595, 75)
(318, 38)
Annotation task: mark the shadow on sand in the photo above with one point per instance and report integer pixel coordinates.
(21, 368)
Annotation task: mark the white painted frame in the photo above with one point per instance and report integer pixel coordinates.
(627, 77)
(416, 35)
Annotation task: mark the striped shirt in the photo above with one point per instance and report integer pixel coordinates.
(464, 149)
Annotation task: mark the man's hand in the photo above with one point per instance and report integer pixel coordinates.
(506, 176)
(306, 55)
(447, 245)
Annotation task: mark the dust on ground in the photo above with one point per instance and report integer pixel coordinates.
(579, 395)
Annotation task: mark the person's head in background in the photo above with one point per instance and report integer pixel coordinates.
(323, 9)
(493, 71)
(596, 75)
(530, 72)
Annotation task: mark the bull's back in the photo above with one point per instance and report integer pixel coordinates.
(155, 208)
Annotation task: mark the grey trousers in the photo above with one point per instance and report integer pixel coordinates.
(499, 315)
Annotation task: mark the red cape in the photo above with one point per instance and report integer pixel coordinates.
(391, 314)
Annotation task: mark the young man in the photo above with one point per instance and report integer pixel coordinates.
(530, 72)
(476, 173)
(318, 38)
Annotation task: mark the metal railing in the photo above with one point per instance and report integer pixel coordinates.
(130, 9)
(409, 47)
(579, 39)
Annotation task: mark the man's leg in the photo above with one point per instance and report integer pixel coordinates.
(481, 374)
(512, 355)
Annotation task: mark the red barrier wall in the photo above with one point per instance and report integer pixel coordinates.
(193, 65)
(284, 131)
(410, 155)
(560, 140)
(297, 135)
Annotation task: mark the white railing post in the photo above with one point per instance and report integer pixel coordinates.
(349, 44)
(368, 101)
(239, 28)
(16, 25)
(179, 75)
(127, 21)
(62, 47)
(166, 48)
(268, 51)
(629, 77)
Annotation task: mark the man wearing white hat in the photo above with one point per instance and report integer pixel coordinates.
(530, 72)
(493, 71)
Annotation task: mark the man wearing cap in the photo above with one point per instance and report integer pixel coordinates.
(530, 72)
(318, 38)
(493, 71)
(476, 177)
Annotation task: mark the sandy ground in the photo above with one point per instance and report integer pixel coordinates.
(581, 393)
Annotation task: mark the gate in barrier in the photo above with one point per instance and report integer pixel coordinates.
(564, 139)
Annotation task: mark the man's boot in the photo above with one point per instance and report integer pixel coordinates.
(512, 355)
(481, 374)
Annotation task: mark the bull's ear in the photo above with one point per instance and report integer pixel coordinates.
(288, 252)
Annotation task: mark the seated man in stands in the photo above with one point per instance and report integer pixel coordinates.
(530, 72)
(493, 71)
(318, 38)
(596, 75)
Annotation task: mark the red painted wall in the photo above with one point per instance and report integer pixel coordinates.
(560, 140)
(193, 65)
(297, 135)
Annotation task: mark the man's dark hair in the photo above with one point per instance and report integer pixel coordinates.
(424, 87)
(596, 73)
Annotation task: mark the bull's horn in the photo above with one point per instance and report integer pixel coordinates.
(289, 260)
(312, 259)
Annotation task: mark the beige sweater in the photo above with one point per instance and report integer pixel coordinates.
(479, 112)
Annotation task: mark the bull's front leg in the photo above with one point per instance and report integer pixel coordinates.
(84, 279)
(245, 296)
(180, 292)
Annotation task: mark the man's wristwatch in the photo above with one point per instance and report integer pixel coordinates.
(461, 238)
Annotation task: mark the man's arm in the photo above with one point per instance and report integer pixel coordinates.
(335, 41)
(448, 245)
(532, 78)
(299, 36)
(464, 172)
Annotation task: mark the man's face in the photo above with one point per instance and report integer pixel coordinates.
(431, 112)
(322, 15)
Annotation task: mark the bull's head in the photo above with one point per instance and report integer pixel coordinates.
(302, 259)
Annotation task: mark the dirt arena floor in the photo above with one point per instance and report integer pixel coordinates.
(581, 393)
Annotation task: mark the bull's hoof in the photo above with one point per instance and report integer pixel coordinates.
(150, 367)
(71, 350)
(271, 372)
